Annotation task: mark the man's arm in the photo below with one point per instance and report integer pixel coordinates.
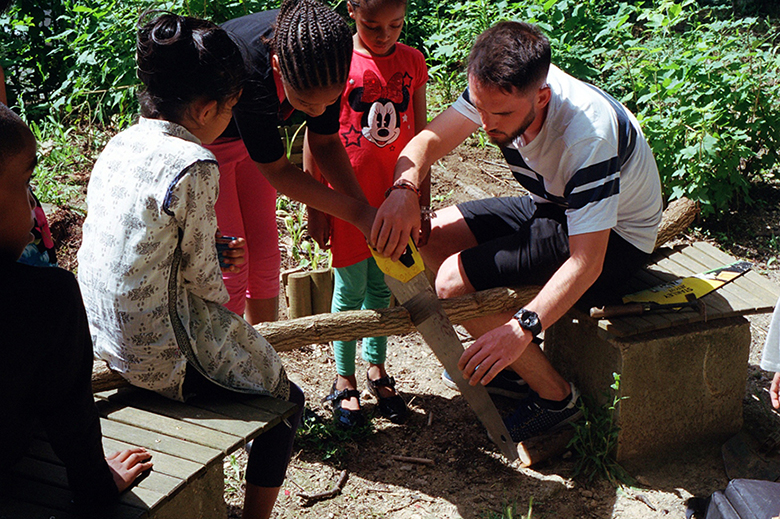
(399, 215)
(504, 345)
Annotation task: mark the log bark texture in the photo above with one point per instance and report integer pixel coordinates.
(677, 217)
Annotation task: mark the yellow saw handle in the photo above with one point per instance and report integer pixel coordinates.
(408, 265)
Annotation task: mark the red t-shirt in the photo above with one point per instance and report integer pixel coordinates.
(377, 121)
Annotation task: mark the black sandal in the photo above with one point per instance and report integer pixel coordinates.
(392, 407)
(346, 418)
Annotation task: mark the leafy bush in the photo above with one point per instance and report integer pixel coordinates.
(701, 81)
(702, 84)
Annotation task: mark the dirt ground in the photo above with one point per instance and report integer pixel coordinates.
(468, 478)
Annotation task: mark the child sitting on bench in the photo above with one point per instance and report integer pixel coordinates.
(46, 371)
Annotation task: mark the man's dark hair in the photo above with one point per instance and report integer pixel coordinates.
(313, 43)
(14, 135)
(182, 59)
(510, 55)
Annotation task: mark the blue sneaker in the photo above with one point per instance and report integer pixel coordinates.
(533, 418)
(507, 383)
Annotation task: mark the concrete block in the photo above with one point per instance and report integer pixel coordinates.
(201, 498)
(684, 385)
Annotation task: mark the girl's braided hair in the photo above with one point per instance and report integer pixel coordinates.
(313, 44)
(182, 59)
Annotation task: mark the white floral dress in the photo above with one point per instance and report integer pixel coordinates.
(149, 273)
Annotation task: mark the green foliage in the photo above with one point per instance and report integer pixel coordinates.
(65, 156)
(701, 82)
(303, 250)
(75, 58)
(328, 439)
(595, 439)
(698, 74)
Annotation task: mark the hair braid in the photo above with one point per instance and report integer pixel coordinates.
(313, 44)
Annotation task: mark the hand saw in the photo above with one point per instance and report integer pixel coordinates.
(681, 293)
(406, 280)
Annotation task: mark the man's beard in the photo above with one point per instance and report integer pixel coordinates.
(505, 139)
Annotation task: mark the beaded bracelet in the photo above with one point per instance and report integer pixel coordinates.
(403, 184)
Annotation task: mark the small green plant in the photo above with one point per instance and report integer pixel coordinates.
(510, 511)
(595, 439)
(289, 140)
(303, 250)
(235, 473)
(438, 199)
(328, 438)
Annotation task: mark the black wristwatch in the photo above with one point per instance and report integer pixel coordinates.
(529, 321)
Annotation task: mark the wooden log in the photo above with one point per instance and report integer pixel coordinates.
(677, 217)
(103, 379)
(540, 448)
(345, 326)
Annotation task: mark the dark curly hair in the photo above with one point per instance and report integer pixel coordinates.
(14, 135)
(182, 59)
(510, 55)
(313, 44)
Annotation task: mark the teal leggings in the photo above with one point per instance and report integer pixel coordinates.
(359, 286)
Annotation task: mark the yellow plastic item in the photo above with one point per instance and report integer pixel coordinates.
(408, 265)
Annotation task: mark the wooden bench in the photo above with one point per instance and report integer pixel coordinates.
(188, 443)
(683, 372)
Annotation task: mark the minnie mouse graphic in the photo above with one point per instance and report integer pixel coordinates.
(380, 107)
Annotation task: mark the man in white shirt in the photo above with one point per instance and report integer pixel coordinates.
(595, 206)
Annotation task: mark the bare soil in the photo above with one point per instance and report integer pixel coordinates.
(468, 478)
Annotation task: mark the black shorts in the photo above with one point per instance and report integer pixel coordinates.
(522, 243)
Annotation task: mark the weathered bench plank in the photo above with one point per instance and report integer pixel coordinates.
(748, 294)
(188, 442)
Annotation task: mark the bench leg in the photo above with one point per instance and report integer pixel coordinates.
(202, 498)
(684, 385)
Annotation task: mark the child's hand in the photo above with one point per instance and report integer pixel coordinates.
(231, 252)
(774, 391)
(319, 227)
(127, 465)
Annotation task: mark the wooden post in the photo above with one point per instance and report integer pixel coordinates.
(321, 291)
(299, 294)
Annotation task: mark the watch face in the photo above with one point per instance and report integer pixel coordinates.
(529, 320)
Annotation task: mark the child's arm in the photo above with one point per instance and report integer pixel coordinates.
(65, 403)
(774, 391)
(191, 202)
(318, 223)
(296, 184)
(420, 120)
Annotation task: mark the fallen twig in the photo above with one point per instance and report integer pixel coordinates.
(491, 175)
(430, 418)
(407, 459)
(333, 492)
(498, 164)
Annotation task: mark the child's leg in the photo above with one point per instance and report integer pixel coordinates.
(349, 290)
(230, 221)
(258, 207)
(268, 460)
(375, 348)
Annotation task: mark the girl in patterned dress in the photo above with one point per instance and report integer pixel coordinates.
(148, 265)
